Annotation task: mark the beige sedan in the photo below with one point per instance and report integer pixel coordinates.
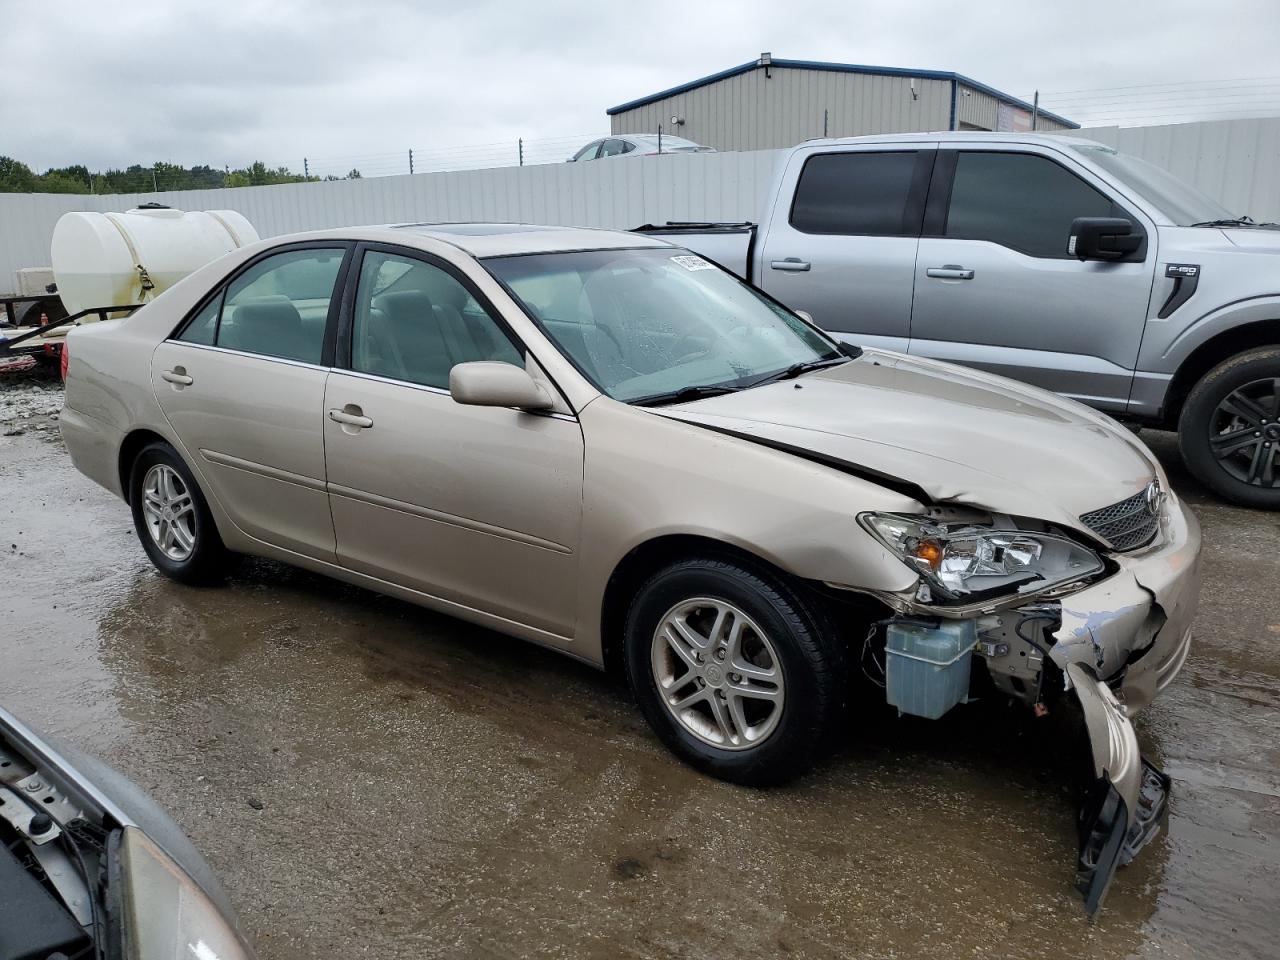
(612, 447)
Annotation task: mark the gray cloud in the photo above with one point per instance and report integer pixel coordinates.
(115, 83)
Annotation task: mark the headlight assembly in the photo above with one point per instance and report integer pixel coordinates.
(963, 563)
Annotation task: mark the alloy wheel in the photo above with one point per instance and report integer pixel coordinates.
(1244, 433)
(718, 673)
(169, 511)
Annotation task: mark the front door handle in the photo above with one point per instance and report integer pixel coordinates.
(350, 416)
(950, 272)
(177, 375)
(791, 263)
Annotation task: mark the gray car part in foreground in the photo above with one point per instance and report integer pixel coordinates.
(97, 865)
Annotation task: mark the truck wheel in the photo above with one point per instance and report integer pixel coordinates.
(172, 519)
(1229, 430)
(736, 673)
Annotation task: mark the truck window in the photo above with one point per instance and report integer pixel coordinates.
(1021, 201)
(857, 194)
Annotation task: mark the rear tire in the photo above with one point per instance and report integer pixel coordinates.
(172, 518)
(1229, 429)
(756, 706)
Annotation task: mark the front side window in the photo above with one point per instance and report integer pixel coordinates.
(279, 307)
(1021, 201)
(614, 148)
(857, 194)
(645, 323)
(414, 321)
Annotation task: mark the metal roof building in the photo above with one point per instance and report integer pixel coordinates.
(770, 103)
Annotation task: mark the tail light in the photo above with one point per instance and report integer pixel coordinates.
(66, 356)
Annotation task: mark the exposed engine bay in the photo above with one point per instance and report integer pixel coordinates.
(52, 859)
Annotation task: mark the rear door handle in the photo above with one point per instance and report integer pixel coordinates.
(351, 416)
(791, 263)
(177, 375)
(950, 272)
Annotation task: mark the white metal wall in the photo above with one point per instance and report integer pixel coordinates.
(1237, 162)
(613, 193)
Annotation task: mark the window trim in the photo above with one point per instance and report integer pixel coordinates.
(220, 289)
(346, 318)
(938, 205)
(913, 210)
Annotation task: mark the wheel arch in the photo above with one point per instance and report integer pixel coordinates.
(1210, 353)
(134, 443)
(647, 558)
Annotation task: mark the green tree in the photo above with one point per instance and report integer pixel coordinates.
(15, 176)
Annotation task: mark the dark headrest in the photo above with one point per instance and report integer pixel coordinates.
(405, 304)
(269, 313)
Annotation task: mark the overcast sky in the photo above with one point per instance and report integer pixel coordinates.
(106, 83)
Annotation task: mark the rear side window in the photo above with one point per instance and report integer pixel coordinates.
(1021, 201)
(279, 307)
(857, 194)
(614, 148)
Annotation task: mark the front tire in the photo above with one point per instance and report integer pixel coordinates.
(1229, 430)
(172, 518)
(737, 673)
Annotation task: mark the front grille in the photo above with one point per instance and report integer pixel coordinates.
(1126, 525)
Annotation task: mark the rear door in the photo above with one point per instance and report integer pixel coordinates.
(995, 287)
(242, 384)
(844, 249)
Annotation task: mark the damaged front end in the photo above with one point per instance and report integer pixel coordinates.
(1046, 615)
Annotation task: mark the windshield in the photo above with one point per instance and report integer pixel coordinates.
(1180, 202)
(643, 324)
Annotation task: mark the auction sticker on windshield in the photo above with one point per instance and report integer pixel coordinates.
(690, 262)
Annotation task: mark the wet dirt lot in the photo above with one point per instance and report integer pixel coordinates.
(371, 779)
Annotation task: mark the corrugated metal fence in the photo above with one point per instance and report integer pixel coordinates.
(613, 193)
(1235, 161)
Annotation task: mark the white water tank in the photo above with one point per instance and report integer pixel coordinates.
(104, 259)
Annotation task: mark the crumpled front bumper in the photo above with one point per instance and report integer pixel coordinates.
(1120, 642)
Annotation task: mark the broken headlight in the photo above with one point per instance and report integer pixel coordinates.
(964, 563)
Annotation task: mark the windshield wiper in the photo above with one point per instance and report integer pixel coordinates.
(1227, 222)
(682, 395)
(796, 369)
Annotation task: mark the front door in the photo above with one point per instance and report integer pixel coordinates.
(996, 288)
(478, 506)
(242, 385)
(845, 252)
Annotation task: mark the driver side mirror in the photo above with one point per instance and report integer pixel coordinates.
(492, 383)
(1103, 238)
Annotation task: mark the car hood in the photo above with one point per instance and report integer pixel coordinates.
(960, 435)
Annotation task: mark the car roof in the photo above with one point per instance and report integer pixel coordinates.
(498, 239)
(956, 136)
(653, 138)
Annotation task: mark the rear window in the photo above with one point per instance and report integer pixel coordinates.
(856, 194)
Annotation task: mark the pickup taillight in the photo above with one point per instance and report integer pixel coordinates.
(66, 356)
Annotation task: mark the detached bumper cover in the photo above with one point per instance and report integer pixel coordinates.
(1126, 803)
(1121, 641)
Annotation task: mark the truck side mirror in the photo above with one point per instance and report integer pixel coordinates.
(1103, 238)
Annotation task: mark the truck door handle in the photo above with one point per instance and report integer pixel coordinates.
(791, 263)
(950, 272)
(177, 375)
(351, 416)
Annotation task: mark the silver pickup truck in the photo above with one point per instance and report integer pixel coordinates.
(1053, 260)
